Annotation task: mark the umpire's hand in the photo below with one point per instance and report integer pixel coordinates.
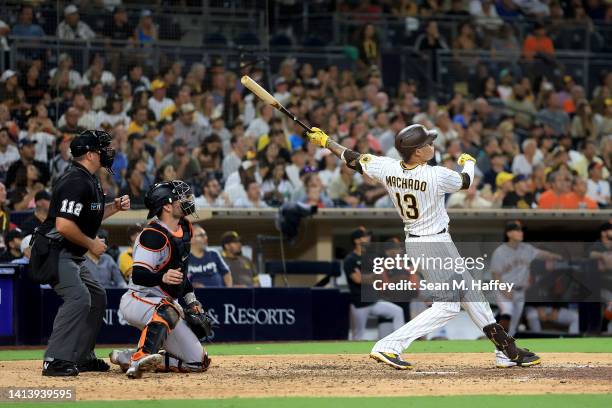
(122, 203)
(98, 246)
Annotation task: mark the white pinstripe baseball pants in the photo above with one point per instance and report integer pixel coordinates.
(441, 311)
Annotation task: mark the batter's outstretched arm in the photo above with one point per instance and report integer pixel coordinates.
(350, 157)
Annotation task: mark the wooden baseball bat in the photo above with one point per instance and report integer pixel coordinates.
(269, 99)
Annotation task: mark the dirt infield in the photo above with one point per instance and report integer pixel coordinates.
(335, 375)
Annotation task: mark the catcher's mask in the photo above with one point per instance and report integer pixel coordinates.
(168, 192)
(97, 141)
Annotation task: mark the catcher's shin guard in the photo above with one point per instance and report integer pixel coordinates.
(507, 345)
(153, 336)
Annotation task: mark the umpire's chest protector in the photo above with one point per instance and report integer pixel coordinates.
(180, 246)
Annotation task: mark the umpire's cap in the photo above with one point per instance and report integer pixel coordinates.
(412, 137)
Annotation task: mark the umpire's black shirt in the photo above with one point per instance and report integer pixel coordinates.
(78, 197)
(352, 262)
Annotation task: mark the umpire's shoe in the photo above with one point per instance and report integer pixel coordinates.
(392, 359)
(59, 368)
(95, 364)
(147, 363)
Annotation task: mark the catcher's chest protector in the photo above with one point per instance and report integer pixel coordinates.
(180, 247)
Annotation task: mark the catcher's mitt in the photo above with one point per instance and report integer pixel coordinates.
(199, 321)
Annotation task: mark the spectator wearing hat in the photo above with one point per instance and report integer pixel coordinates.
(126, 261)
(104, 268)
(27, 153)
(25, 26)
(598, 189)
(11, 93)
(531, 156)
(186, 128)
(8, 152)
(187, 167)
(205, 267)
(520, 197)
(217, 126)
(42, 199)
(361, 310)
(298, 164)
(559, 185)
(243, 270)
(146, 30)
(72, 28)
(26, 251)
(13, 246)
(253, 196)
(158, 101)
(281, 90)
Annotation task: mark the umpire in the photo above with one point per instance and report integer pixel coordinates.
(76, 211)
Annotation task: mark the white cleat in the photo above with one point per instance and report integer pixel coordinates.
(147, 363)
(502, 361)
(121, 358)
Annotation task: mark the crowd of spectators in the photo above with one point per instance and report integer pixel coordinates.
(540, 141)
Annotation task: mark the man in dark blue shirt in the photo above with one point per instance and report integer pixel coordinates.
(206, 268)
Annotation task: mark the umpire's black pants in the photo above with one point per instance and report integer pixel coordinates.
(80, 317)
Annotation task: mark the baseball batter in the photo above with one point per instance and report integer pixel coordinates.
(417, 191)
(158, 280)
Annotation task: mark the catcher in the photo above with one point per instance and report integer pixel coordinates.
(158, 281)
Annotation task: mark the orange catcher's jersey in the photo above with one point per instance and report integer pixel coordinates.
(417, 193)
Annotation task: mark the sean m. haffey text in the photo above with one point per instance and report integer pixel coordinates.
(411, 264)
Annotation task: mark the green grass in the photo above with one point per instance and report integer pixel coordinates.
(573, 345)
(468, 401)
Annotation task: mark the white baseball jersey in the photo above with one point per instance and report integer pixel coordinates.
(417, 193)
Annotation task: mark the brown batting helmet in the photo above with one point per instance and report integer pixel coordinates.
(412, 137)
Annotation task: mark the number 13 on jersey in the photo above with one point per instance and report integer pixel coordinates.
(407, 205)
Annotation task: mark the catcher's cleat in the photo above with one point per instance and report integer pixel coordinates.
(121, 358)
(95, 364)
(149, 362)
(392, 359)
